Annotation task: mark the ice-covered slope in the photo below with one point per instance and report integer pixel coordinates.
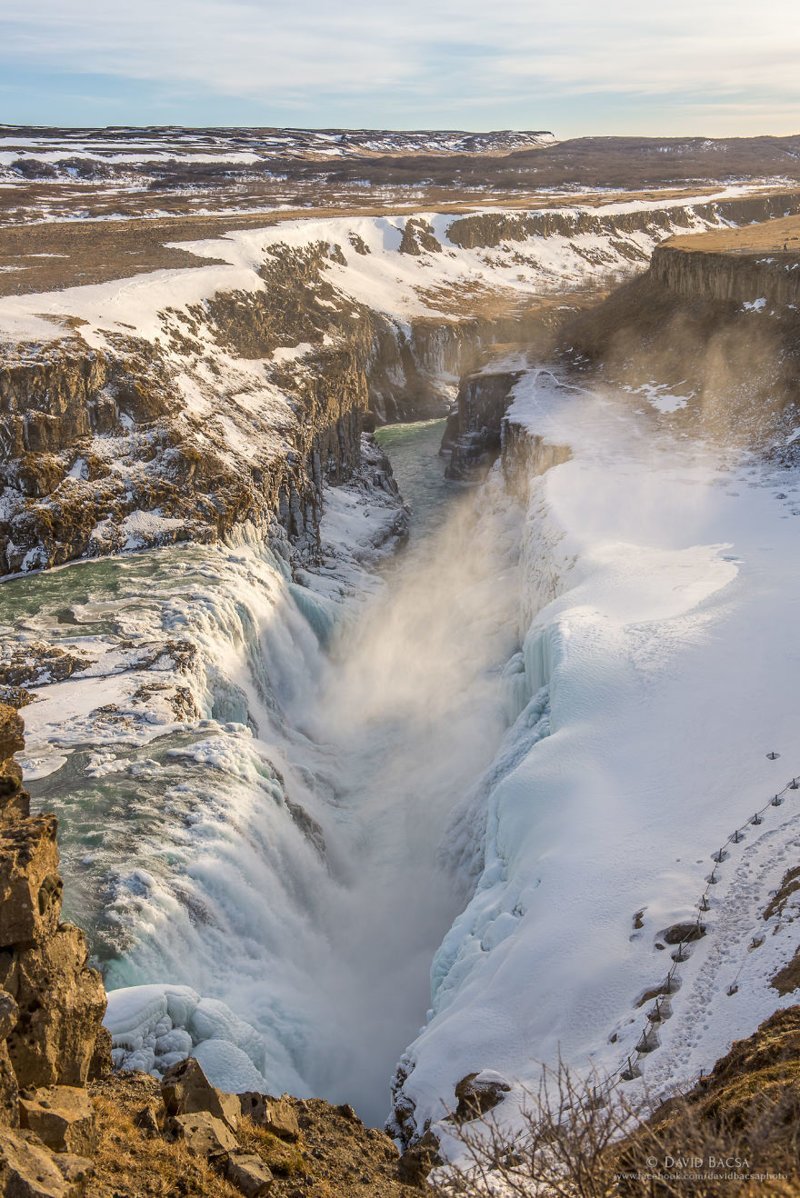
(659, 661)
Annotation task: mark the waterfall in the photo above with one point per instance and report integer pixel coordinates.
(253, 817)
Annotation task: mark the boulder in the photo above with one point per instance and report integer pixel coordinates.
(12, 739)
(277, 1115)
(62, 1117)
(203, 1134)
(478, 1093)
(147, 1120)
(76, 1170)
(249, 1174)
(27, 1170)
(417, 1161)
(186, 1089)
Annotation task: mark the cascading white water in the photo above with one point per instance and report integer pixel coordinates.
(281, 854)
(413, 708)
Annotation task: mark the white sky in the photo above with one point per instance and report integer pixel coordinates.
(570, 65)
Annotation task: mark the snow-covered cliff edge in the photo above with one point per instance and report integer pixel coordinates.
(618, 857)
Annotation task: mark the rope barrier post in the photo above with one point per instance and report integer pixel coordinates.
(648, 1039)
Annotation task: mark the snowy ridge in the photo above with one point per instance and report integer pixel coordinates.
(378, 275)
(71, 150)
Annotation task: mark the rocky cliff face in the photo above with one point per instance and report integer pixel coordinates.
(240, 411)
(726, 277)
(719, 331)
(494, 228)
(473, 432)
(51, 1002)
(105, 449)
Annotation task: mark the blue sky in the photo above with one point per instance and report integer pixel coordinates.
(573, 66)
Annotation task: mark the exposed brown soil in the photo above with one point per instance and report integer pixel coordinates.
(787, 980)
(790, 884)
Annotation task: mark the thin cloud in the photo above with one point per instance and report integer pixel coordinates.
(460, 57)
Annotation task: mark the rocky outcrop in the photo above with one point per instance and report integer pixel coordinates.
(489, 230)
(718, 328)
(51, 1002)
(736, 278)
(472, 435)
(414, 371)
(285, 1147)
(525, 456)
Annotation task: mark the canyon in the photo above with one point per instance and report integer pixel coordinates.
(352, 564)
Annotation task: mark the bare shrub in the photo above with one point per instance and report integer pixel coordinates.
(586, 1139)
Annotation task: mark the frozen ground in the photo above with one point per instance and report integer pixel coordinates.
(660, 589)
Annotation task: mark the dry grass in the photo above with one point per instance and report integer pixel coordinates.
(336, 1156)
(285, 1160)
(132, 1163)
(769, 237)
